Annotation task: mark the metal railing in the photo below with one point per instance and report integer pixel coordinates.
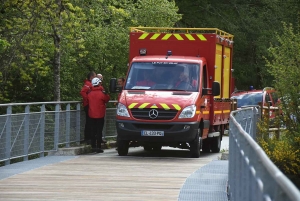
(28, 129)
(252, 175)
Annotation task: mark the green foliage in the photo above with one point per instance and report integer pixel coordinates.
(282, 150)
(285, 155)
(160, 13)
(50, 46)
(107, 38)
(253, 24)
(93, 35)
(283, 64)
(38, 32)
(3, 45)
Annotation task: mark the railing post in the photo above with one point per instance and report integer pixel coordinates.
(277, 123)
(104, 127)
(234, 104)
(68, 125)
(268, 114)
(261, 116)
(26, 132)
(8, 134)
(254, 122)
(42, 131)
(56, 130)
(78, 123)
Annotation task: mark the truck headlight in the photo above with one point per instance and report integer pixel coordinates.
(188, 112)
(122, 110)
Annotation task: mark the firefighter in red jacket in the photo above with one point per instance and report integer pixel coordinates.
(97, 100)
(84, 94)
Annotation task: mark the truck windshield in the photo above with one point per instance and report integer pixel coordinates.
(163, 76)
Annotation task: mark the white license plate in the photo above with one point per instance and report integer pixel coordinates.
(152, 133)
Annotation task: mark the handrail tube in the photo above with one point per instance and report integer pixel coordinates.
(252, 160)
(39, 103)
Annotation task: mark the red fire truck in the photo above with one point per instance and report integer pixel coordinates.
(177, 90)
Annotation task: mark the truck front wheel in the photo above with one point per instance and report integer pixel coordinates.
(123, 147)
(195, 146)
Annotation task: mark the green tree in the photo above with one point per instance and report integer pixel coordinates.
(36, 31)
(107, 37)
(253, 24)
(284, 65)
(55, 43)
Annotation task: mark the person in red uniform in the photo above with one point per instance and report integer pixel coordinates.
(97, 100)
(84, 94)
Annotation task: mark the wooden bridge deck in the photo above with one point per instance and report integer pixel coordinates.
(106, 177)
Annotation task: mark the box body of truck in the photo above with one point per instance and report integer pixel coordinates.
(177, 90)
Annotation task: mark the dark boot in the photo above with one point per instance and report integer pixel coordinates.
(94, 145)
(99, 150)
(104, 141)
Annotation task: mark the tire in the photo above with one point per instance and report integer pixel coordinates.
(123, 147)
(206, 146)
(147, 148)
(216, 144)
(195, 146)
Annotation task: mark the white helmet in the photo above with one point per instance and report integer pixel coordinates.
(95, 81)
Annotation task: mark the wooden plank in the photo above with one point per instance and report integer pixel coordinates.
(104, 177)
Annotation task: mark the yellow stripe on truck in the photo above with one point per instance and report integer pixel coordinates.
(226, 75)
(167, 36)
(132, 105)
(177, 107)
(165, 106)
(153, 106)
(144, 35)
(143, 105)
(201, 37)
(189, 36)
(178, 36)
(155, 36)
(218, 65)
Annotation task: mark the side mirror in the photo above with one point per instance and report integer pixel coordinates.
(216, 89)
(113, 85)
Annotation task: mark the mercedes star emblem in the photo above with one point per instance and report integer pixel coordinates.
(153, 114)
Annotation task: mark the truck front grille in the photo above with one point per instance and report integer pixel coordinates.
(162, 114)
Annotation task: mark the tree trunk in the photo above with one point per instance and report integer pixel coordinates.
(57, 53)
(56, 67)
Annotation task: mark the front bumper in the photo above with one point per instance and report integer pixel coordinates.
(173, 132)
